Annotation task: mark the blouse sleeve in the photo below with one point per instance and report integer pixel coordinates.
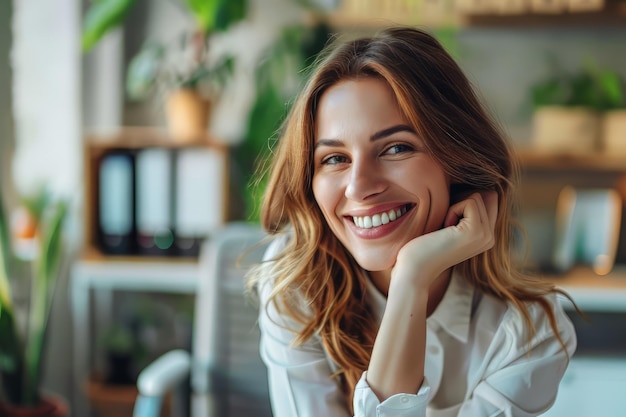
(366, 403)
(525, 380)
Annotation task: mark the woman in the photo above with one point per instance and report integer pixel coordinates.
(390, 288)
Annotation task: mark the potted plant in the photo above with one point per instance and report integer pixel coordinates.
(183, 73)
(614, 116)
(22, 350)
(569, 108)
(114, 392)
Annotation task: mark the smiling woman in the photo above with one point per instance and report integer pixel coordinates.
(388, 289)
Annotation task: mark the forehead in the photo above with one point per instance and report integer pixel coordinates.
(358, 105)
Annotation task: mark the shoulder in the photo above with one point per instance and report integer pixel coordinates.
(515, 335)
(522, 369)
(540, 318)
(264, 273)
(271, 285)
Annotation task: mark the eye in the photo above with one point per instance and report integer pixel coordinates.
(334, 160)
(398, 148)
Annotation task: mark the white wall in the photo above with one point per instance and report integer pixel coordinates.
(6, 113)
(45, 60)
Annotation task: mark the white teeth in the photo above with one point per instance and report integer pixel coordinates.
(378, 219)
(367, 222)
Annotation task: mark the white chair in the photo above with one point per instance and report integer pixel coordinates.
(224, 373)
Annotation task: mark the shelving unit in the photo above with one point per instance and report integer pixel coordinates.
(135, 139)
(594, 162)
(96, 276)
(363, 14)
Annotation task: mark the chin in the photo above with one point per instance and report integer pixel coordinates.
(376, 262)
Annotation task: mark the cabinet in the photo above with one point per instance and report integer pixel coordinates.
(104, 268)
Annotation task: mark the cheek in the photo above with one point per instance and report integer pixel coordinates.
(441, 203)
(439, 190)
(323, 194)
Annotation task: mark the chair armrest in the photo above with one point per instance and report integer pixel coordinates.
(160, 376)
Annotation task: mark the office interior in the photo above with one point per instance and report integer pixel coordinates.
(66, 118)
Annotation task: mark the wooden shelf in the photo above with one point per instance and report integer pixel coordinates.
(509, 14)
(613, 14)
(93, 255)
(593, 292)
(560, 162)
(137, 137)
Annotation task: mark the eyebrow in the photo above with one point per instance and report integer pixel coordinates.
(378, 135)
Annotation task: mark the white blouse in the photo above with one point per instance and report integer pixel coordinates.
(479, 362)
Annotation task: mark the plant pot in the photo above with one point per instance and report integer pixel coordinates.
(50, 406)
(187, 116)
(566, 130)
(614, 132)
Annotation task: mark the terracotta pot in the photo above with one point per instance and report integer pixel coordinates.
(187, 116)
(50, 406)
(568, 130)
(614, 132)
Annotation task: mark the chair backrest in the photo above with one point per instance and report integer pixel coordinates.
(228, 377)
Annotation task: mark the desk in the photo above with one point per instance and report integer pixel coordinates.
(107, 275)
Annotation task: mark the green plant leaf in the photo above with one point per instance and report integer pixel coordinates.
(11, 354)
(230, 12)
(51, 250)
(36, 203)
(5, 256)
(143, 71)
(204, 13)
(613, 88)
(102, 16)
(46, 274)
(11, 357)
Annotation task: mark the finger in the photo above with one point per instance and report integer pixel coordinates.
(465, 209)
(482, 210)
(490, 199)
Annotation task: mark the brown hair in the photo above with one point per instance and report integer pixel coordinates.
(440, 104)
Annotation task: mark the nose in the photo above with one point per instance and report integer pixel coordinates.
(365, 180)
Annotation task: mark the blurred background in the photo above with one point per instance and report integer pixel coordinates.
(147, 118)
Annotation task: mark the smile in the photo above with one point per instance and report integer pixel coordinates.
(378, 219)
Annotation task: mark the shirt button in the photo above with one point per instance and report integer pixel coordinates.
(404, 399)
(434, 350)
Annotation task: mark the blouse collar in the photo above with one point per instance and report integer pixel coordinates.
(453, 314)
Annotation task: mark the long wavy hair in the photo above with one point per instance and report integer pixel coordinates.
(315, 280)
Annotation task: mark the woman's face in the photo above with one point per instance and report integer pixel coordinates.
(373, 180)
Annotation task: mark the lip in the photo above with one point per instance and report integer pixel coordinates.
(382, 230)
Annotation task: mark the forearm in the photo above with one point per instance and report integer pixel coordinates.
(397, 362)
